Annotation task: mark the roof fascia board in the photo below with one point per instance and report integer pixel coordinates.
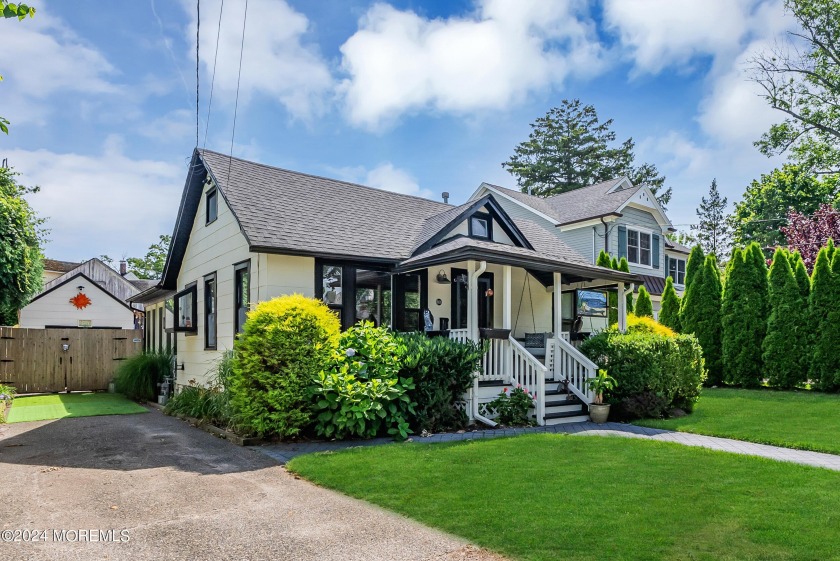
(520, 203)
(662, 218)
(593, 221)
(618, 186)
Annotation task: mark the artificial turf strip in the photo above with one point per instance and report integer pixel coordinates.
(59, 406)
(805, 420)
(553, 496)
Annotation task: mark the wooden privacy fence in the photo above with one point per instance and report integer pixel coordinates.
(55, 359)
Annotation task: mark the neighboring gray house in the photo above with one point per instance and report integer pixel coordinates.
(624, 219)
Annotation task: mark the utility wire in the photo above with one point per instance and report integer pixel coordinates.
(236, 104)
(213, 79)
(197, 28)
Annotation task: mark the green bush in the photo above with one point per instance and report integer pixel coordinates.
(361, 393)
(210, 404)
(669, 313)
(442, 370)
(642, 362)
(700, 316)
(825, 321)
(787, 327)
(644, 306)
(512, 408)
(138, 376)
(7, 394)
(286, 343)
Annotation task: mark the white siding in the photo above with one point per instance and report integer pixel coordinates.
(645, 221)
(55, 309)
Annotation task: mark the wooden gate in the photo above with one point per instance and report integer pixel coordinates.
(55, 359)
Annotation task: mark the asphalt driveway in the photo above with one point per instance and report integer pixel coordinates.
(152, 487)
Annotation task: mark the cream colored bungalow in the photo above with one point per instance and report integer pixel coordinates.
(247, 232)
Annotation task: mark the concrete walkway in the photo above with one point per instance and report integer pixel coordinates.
(286, 451)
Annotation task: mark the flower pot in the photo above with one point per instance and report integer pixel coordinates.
(599, 413)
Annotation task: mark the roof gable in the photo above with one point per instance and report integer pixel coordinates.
(100, 273)
(73, 277)
(644, 199)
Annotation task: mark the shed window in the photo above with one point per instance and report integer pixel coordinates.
(212, 205)
(185, 310)
(241, 294)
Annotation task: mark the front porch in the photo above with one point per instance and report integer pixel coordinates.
(519, 311)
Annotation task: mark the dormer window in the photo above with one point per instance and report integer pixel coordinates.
(481, 226)
(212, 205)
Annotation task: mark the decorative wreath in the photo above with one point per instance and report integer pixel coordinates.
(80, 300)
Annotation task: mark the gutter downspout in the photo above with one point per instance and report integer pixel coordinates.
(606, 236)
(473, 294)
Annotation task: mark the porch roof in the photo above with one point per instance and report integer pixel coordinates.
(463, 248)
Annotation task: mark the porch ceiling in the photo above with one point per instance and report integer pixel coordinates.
(462, 249)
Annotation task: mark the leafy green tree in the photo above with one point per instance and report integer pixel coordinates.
(644, 306)
(151, 265)
(763, 211)
(802, 80)
(824, 312)
(744, 319)
(712, 229)
(21, 259)
(784, 345)
(19, 11)
(700, 315)
(669, 312)
(570, 148)
(694, 264)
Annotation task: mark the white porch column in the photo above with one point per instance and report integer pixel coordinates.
(506, 300)
(558, 305)
(622, 308)
(472, 297)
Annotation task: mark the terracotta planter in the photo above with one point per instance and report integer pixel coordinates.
(599, 413)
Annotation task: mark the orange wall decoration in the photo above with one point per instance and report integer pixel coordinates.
(80, 300)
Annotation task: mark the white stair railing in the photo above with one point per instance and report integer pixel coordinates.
(568, 363)
(493, 364)
(526, 371)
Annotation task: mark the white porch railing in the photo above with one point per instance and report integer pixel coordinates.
(494, 364)
(460, 335)
(528, 372)
(565, 362)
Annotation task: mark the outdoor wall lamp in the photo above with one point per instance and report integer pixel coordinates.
(441, 277)
(80, 288)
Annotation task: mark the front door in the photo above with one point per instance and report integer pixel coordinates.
(460, 299)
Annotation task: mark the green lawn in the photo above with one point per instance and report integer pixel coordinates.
(804, 420)
(549, 496)
(59, 406)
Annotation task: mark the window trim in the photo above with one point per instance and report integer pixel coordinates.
(190, 288)
(677, 269)
(639, 231)
(481, 216)
(214, 192)
(212, 277)
(246, 266)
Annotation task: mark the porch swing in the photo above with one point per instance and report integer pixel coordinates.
(533, 342)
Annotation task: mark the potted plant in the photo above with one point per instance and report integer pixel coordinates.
(599, 411)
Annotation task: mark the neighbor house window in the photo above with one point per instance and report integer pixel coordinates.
(676, 270)
(185, 310)
(210, 311)
(241, 294)
(212, 205)
(638, 247)
(480, 226)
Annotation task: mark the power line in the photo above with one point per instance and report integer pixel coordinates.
(213, 79)
(197, 28)
(238, 79)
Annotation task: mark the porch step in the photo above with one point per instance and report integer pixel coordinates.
(492, 383)
(565, 420)
(564, 403)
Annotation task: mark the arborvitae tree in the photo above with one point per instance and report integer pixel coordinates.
(800, 273)
(743, 322)
(612, 297)
(614, 263)
(824, 311)
(700, 315)
(644, 307)
(669, 312)
(694, 264)
(604, 260)
(624, 267)
(785, 342)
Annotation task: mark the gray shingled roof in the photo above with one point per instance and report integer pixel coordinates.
(677, 246)
(284, 210)
(587, 202)
(435, 223)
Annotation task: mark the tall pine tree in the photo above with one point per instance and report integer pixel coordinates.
(785, 342)
(712, 229)
(743, 322)
(700, 315)
(824, 311)
(669, 313)
(644, 306)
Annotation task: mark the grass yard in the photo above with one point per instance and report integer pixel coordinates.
(804, 420)
(548, 496)
(62, 405)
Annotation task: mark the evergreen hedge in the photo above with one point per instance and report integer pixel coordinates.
(669, 312)
(694, 264)
(743, 320)
(824, 310)
(787, 327)
(700, 315)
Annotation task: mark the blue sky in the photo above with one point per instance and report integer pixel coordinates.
(413, 96)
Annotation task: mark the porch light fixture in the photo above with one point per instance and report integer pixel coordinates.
(80, 288)
(441, 277)
(488, 292)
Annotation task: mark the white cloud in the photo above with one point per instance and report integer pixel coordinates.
(109, 204)
(172, 127)
(42, 56)
(384, 176)
(399, 61)
(276, 61)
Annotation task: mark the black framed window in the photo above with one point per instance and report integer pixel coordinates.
(186, 310)
(373, 297)
(212, 205)
(481, 226)
(210, 311)
(639, 247)
(332, 288)
(676, 270)
(460, 299)
(241, 294)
